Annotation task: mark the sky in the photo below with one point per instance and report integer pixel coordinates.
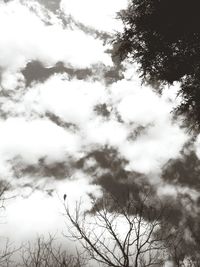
(70, 119)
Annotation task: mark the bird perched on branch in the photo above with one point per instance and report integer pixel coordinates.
(64, 197)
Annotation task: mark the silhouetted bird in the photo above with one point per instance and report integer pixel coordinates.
(64, 196)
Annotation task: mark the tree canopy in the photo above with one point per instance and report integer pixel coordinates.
(163, 36)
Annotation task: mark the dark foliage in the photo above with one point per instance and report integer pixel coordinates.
(163, 36)
(190, 104)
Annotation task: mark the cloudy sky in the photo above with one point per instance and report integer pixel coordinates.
(71, 120)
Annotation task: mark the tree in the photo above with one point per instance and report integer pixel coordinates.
(46, 252)
(121, 235)
(163, 37)
(7, 250)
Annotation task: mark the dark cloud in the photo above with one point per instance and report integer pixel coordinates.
(56, 170)
(106, 158)
(102, 110)
(113, 178)
(35, 71)
(58, 121)
(138, 131)
(52, 5)
(178, 211)
(184, 171)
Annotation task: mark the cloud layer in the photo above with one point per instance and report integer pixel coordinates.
(78, 119)
(26, 37)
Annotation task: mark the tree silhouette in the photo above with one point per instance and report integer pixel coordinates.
(47, 252)
(122, 235)
(163, 36)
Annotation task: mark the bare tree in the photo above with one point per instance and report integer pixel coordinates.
(6, 253)
(120, 235)
(47, 253)
(7, 249)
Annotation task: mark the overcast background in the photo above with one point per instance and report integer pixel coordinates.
(73, 122)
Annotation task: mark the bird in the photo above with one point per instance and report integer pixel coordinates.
(64, 197)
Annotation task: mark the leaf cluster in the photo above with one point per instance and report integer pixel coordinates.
(163, 37)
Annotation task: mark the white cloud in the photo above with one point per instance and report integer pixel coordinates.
(41, 214)
(71, 100)
(26, 37)
(100, 14)
(150, 151)
(105, 132)
(139, 104)
(12, 81)
(74, 102)
(160, 140)
(32, 140)
(172, 190)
